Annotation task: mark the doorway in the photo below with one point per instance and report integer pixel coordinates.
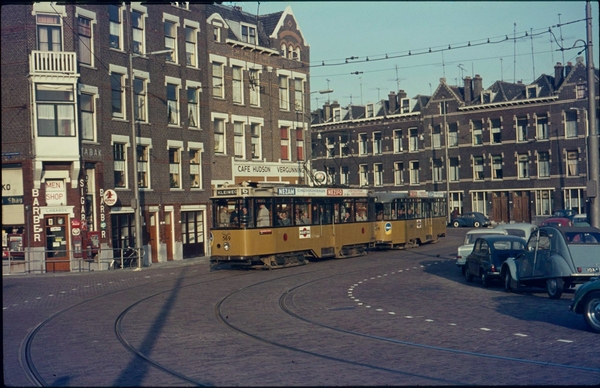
(58, 258)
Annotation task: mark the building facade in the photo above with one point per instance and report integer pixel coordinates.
(86, 85)
(514, 152)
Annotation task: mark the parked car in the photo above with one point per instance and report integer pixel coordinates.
(555, 258)
(581, 220)
(489, 252)
(557, 221)
(467, 247)
(564, 213)
(472, 219)
(587, 302)
(519, 229)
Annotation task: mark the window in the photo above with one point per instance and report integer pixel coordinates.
(344, 175)
(173, 104)
(117, 94)
(337, 115)
(195, 168)
(217, 33)
(363, 175)
(55, 110)
(171, 40)
(398, 140)
(299, 144)
(217, 80)
(404, 105)
(238, 139)
(522, 131)
(143, 166)
(120, 165)
(378, 174)
(116, 27)
(572, 163)
(191, 49)
(87, 104)
(532, 91)
(523, 166)
(497, 167)
(479, 200)
(254, 76)
(543, 203)
(139, 91)
(283, 93)
(413, 144)
(454, 170)
(137, 23)
(256, 135)
(331, 175)
(49, 33)
(248, 34)
(219, 130)
(443, 107)
(571, 124)
(298, 95)
(414, 172)
(478, 168)
(175, 168)
(377, 147)
(330, 145)
(193, 107)
(581, 91)
(543, 165)
(453, 135)
(436, 171)
(283, 50)
(477, 133)
(285, 143)
(237, 82)
(496, 134)
(398, 173)
(362, 144)
(437, 136)
(369, 110)
(84, 33)
(542, 128)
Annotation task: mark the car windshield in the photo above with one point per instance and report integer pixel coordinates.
(516, 232)
(508, 245)
(583, 237)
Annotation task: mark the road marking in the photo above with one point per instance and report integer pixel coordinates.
(429, 320)
(51, 295)
(392, 313)
(62, 292)
(485, 329)
(562, 340)
(408, 316)
(452, 324)
(379, 310)
(520, 335)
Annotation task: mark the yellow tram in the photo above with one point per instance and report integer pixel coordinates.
(410, 218)
(273, 226)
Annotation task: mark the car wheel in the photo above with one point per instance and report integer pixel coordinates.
(485, 280)
(555, 287)
(591, 311)
(508, 282)
(456, 224)
(476, 224)
(467, 273)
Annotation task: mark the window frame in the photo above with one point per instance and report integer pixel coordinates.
(138, 26)
(398, 173)
(115, 26)
(175, 181)
(58, 107)
(523, 166)
(195, 155)
(219, 125)
(177, 108)
(543, 164)
(256, 140)
(284, 133)
(284, 93)
(173, 56)
(478, 168)
(239, 139)
(50, 28)
(119, 150)
(193, 105)
(414, 169)
(237, 84)
(85, 46)
(477, 132)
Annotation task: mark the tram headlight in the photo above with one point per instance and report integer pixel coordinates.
(226, 246)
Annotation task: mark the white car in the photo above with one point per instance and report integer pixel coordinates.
(519, 229)
(467, 247)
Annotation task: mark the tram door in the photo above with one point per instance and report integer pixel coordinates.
(57, 243)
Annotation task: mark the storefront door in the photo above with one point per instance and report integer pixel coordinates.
(57, 244)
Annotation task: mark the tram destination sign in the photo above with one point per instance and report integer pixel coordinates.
(320, 192)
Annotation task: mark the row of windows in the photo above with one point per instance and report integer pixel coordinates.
(415, 140)
(437, 166)
(194, 159)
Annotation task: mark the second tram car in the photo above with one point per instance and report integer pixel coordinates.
(274, 226)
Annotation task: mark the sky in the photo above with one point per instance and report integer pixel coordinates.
(336, 31)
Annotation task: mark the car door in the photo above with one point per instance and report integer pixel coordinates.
(525, 261)
(472, 262)
(542, 256)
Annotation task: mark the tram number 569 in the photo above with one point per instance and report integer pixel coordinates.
(226, 237)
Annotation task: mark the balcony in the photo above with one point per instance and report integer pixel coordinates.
(53, 63)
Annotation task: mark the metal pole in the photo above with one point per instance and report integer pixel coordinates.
(593, 189)
(447, 139)
(135, 204)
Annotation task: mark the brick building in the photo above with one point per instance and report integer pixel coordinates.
(73, 75)
(514, 152)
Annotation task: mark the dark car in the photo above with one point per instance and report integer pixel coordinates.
(471, 219)
(587, 302)
(489, 252)
(564, 213)
(555, 258)
(557, 221)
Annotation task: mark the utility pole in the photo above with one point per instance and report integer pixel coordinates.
(592, 189)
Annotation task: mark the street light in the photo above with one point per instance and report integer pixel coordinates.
(135, 204)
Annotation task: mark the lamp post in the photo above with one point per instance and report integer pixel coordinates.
(135, 203)
(307, 165)
(446, 140)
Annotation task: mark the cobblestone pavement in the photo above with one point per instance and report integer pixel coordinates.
(388, 318)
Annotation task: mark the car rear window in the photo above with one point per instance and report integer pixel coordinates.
(516, 232)
(583, 237)
(508, 245)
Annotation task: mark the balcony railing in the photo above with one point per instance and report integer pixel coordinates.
(52, 62)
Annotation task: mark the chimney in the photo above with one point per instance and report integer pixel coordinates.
(477, 85)
(401, 94)
(568, 68)
(393, 102)
(326, 111)
(558, 74)
(468, 89)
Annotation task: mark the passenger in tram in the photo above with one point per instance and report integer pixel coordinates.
(284, 220)
(233, 218)
(305, 218)
(263, 218)
(244, 217)
(347, 217)
(223, 217)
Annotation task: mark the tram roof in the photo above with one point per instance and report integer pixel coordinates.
(275, 190)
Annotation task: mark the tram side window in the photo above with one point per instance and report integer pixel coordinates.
(302, 212)
(227, 213)
(321, 213)
(362, 210)
(263, 210)
(348, 211)
(283, 207)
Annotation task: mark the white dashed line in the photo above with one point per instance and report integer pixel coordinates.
(520, 335)
(392, 313)
(409, 316)
(379, 310)
(485, 329)
(429, 320)
(562, 340)
(452, 324)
